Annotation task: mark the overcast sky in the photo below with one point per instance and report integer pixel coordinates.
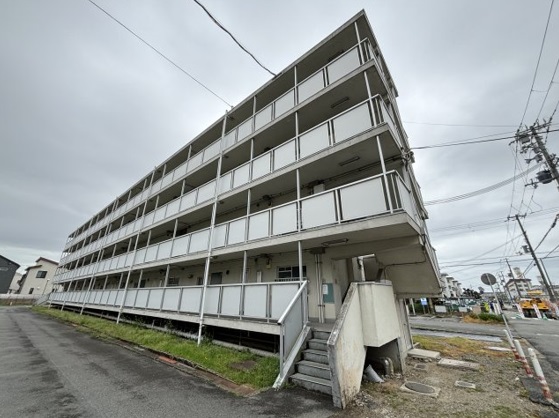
(86, 109)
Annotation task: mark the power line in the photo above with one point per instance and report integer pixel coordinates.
(548, 88)
(538, 63)
(459, 125)
(480, 191)
(232, 37)
(548, 231)
(467, 142)
(174, 64)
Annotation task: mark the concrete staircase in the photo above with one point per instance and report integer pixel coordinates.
(313, 371)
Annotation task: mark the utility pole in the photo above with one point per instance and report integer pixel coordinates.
(536, 261)
(513, 279)
(507, 291)
(531, 140)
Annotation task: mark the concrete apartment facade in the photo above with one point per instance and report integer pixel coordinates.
(519, 288)
(38, 279)
(7, 271)
(259, 224)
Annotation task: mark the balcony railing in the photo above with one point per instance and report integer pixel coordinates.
(354, 121)
(330, 73)
(253, 301)
(362, 199)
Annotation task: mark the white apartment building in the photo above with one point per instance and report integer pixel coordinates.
(255, 227)
(518, 288)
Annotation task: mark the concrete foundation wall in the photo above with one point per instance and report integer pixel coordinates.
(378, 313)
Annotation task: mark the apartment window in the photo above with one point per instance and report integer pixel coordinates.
(31, 291)
(291, 273)
(41, 274)
(173, 281)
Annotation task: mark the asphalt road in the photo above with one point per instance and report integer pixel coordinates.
(453, 324)
(49, 369)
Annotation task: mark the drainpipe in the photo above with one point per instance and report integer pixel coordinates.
(318, 264)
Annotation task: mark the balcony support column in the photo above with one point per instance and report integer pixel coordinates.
(384, 176)
(243, 281)
(301, 279)
(91, 283)
(358, 43)
(212, 227)
(128, 275)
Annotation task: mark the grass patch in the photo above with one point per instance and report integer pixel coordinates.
(482, 318)
(207, 355)
(456, 347)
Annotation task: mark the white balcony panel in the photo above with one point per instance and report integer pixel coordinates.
(255, 301)
(164, 250)
(114, 262)
(137, 224)
(179, 172)
(284, 155)
(155, 297)
(105, 297)
(225, 182)
(281, 296)
(314, 141)
(241, 175)
(236, 231)
(140, 256)
(119, 296)
(194, 162)
(219, 236)
(284, 103)
(121, 261)
(159, 214)
(206, 192)
(261, 165)
(212, 300)
(141, 298)
(352, 123)
(211, 151)
(244, 129)
(130, 296)
(190, 301)
(284, 219)
(180, 246)
(154, 188)
(362, 199)
(168, 179)
(112, 297)
(263, 117)
(173, 207)
(199, 241)
(319, 210)
(188, 200)
(148, 219)
(151, 253)
(310, 86)
(258, 225)
(129, 259)
(230, 300)
(171, 299)
(229, 139)
(343, 65)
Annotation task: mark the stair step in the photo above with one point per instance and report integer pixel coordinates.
(321, 335)
(312, 368)
(315, 344)
(318, 356)
(312, 383)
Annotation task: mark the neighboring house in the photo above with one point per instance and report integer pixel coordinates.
(254, 230)
(38, 279)
(7, 271)
(518, 287)
(14, 285)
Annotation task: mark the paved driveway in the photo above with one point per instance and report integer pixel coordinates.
(48, 369)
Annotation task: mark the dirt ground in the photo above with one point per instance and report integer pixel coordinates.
(499, 392)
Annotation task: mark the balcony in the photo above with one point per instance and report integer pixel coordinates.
(329, 134)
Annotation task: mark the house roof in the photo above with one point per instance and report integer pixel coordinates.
(38, 261)
(7, 259)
